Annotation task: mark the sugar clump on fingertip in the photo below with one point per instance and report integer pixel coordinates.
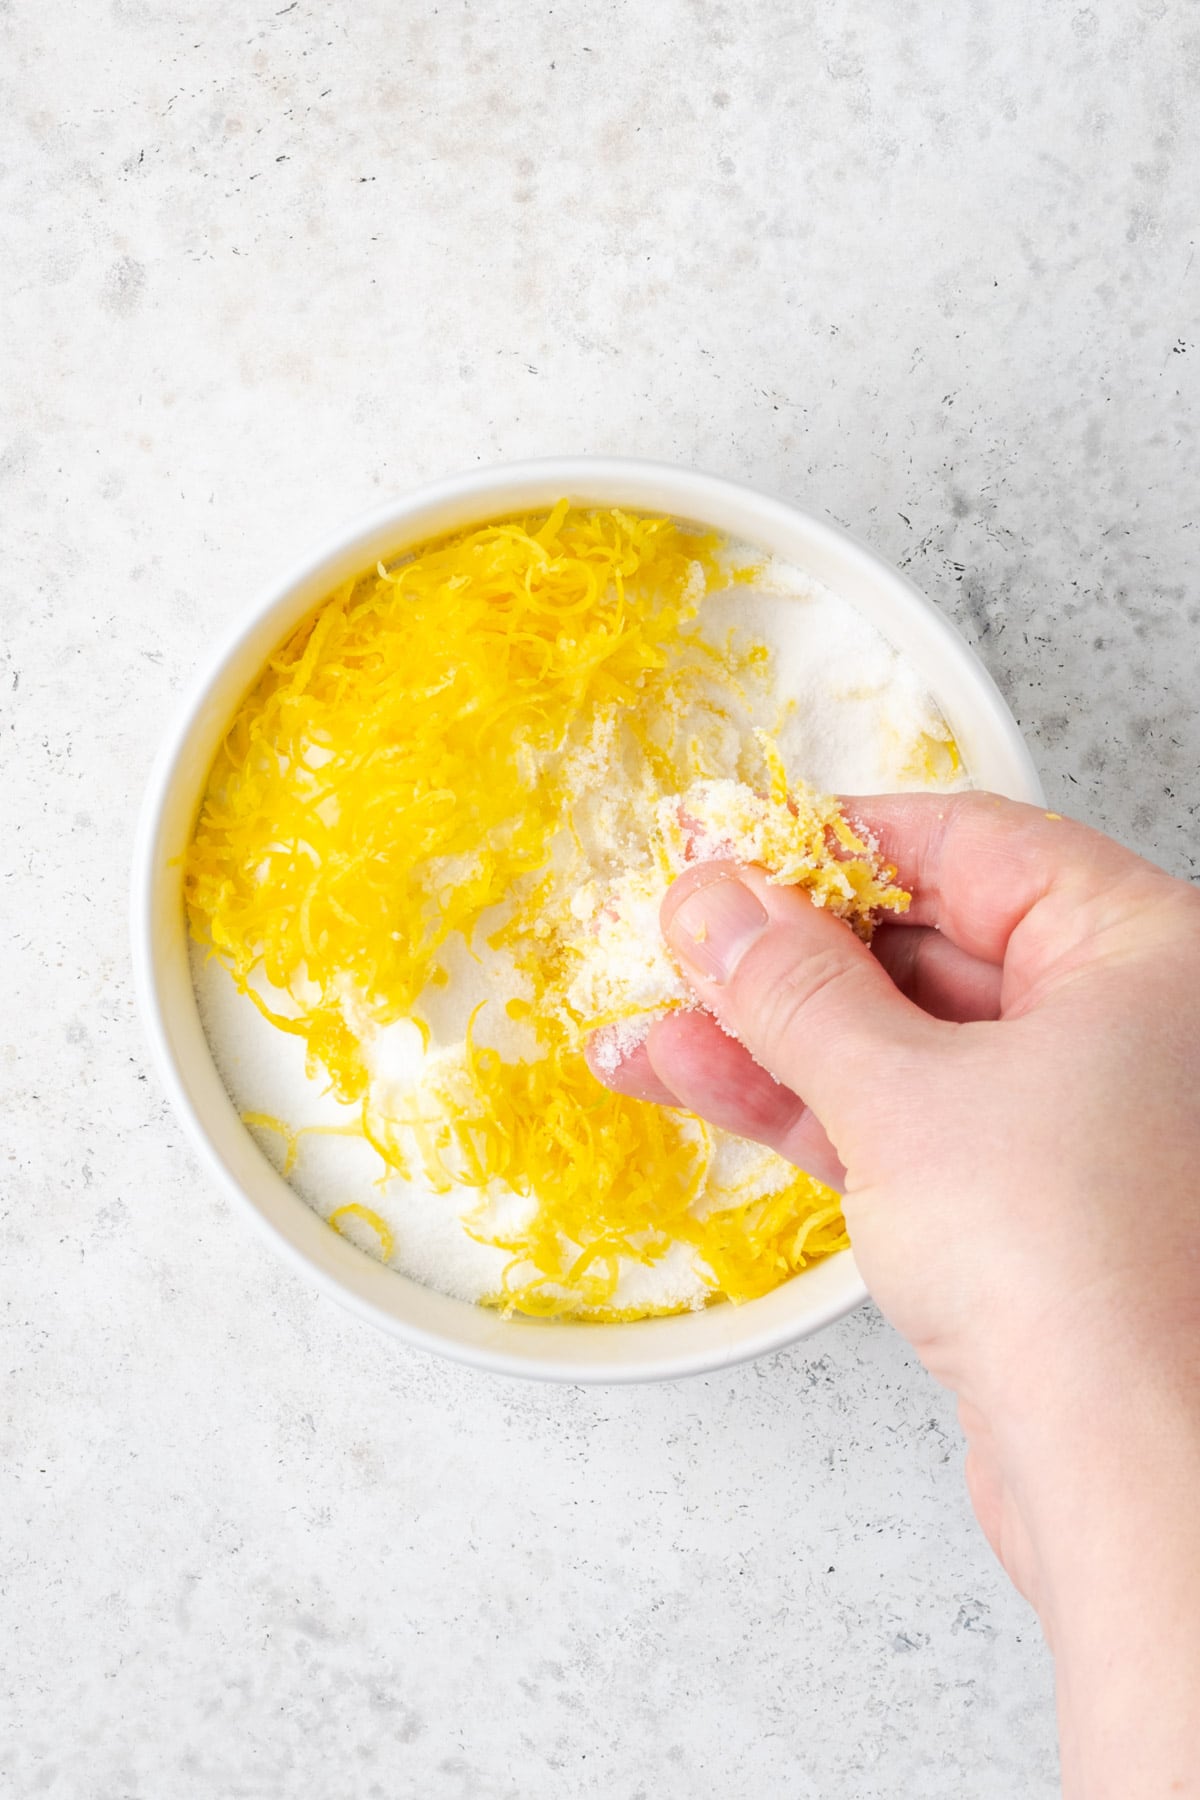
(625, 973)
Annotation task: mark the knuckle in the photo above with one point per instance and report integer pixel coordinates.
(900, 954)
(919, 978)
(787, 1002)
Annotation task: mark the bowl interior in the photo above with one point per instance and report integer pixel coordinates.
(992, 748)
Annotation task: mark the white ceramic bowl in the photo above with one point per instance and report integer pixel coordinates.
(692, 1343)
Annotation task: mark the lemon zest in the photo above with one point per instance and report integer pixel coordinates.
(355, 1210)
(261, 1121)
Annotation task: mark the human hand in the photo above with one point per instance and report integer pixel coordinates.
(1005, 1089)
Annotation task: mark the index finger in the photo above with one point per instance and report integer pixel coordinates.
(976, 864)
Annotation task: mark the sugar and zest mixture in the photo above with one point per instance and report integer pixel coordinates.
(483, 739)
(626, 977)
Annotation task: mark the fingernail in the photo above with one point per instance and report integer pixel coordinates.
(712, 929)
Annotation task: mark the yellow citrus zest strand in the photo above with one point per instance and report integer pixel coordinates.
(292, 1135)
(354, 1210)
(268, 1122)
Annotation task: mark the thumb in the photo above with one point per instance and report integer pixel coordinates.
(801, 991)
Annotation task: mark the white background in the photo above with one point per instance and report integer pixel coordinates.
(929, 268)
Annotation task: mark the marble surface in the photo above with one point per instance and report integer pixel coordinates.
(928, 268)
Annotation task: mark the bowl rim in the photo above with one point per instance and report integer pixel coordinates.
(699, 493)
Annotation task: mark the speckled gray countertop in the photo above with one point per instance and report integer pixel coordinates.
(928, 268)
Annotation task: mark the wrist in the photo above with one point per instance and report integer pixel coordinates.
(1101, 1461)
(1092, 1374)
(1096, 1430)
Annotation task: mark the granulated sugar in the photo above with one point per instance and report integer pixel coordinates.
(847, 715)
(264, 1073)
